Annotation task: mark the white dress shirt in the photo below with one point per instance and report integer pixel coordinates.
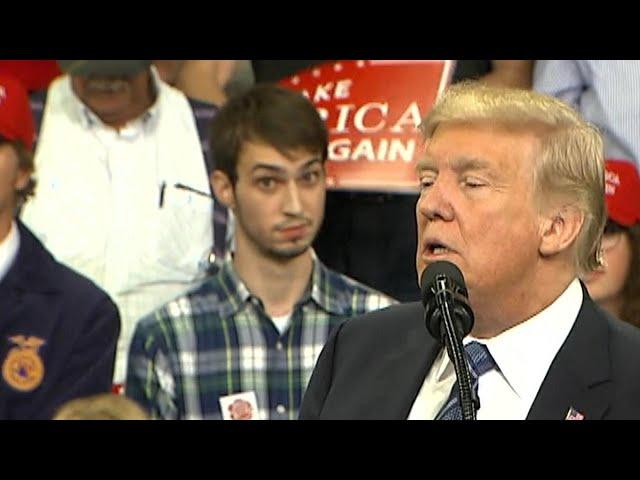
(9, 250)
(523, 355)
(107, 206)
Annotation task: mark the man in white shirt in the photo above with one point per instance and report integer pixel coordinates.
(58, 331)
(512, 192)
(123, 191)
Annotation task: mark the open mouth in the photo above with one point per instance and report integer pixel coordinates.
(436, 248)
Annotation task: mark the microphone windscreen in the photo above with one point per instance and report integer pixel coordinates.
(441, 267)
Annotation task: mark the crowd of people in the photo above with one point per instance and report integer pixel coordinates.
(167, 235)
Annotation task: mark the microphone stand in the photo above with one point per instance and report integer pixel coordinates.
(469, 402)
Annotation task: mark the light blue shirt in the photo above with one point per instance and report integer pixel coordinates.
(607, 94)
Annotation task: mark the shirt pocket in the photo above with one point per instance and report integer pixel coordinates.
(180, 237)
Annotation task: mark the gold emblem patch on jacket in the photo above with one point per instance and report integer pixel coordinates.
(23, 368)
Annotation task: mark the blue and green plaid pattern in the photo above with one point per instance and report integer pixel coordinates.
(217, 340)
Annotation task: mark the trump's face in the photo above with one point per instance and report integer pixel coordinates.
(476, 207)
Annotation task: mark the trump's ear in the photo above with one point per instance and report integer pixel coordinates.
(223, 188)
(559, 229)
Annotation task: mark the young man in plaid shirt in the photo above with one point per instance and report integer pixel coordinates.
(244, 344)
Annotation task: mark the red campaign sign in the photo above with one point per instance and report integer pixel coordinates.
(372, 109)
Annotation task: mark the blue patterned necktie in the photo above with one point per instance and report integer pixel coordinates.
(480, 362)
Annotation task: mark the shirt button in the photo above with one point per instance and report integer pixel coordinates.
(279, 346)
(280, 409)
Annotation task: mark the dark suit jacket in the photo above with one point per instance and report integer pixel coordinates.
(373, 367)
(43, 300)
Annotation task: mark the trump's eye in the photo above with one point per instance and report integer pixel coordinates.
(426, 182)
(472, 182)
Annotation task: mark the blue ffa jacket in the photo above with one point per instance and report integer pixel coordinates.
(58, 334)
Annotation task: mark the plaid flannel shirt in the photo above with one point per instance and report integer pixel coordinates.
(217, 340)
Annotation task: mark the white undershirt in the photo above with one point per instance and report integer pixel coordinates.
(282, 322)
(9, 250)
(523, 354)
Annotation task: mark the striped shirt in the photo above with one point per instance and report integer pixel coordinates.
(217, 340)
(607, 94)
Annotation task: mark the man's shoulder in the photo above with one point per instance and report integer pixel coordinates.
(399, 311)
(355, 296)
(623, 337)
(620, 334)
(389, 331)
(60, 299)
(620, 341)
(623, 354)
(199, 309)
(84, 302)
(172, 96)
(76, 285)
(387, 323)
(51, 274)
(201, 109)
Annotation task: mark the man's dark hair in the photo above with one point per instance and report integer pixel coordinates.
(268, 114)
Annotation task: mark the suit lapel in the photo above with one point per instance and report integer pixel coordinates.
(579, 375)
(403, 370)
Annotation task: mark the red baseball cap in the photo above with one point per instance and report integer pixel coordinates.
(16, 119)
(622, 192)
(34, 74)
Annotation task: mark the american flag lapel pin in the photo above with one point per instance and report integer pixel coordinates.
(573, 414)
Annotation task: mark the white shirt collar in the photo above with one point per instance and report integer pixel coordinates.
(9, 250)
(524, 352)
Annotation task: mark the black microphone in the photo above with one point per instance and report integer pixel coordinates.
(449, 318)
(442, 283)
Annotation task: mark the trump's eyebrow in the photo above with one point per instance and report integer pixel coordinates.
(458, 164)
